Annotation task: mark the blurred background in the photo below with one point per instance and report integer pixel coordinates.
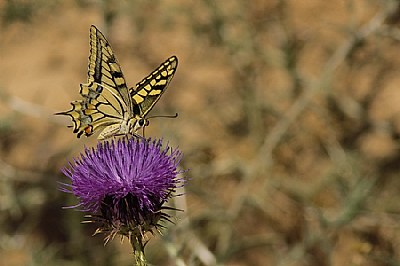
(289, 119)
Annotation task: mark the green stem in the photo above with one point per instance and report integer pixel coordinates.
(138, 250)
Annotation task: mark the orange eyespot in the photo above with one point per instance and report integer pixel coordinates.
(89, 130)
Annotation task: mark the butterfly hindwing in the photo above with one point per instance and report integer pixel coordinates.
(87, 118)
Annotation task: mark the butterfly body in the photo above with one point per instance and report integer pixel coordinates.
(108, 105)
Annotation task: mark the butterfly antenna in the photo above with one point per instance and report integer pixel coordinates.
(156, 116)
(165, 116)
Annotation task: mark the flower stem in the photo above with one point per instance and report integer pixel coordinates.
(138, 250)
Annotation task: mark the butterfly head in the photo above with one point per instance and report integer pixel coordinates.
(137, 123)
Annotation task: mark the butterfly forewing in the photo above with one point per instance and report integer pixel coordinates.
(105, 73)
(147, 92)
(107, 103)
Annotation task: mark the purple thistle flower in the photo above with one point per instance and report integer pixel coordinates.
(123, 184)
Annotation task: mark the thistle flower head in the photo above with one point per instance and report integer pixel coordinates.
(123, 184)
